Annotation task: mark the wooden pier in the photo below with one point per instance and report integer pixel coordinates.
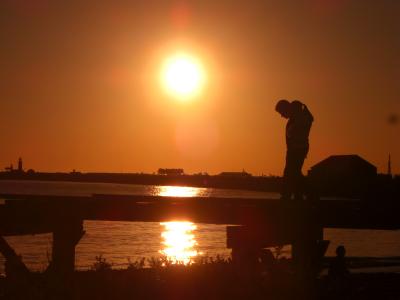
(251, 223)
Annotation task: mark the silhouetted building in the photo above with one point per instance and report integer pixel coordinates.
(20, 169)
(389, 169)
(342, 175)
(30, 172)
(235, 174)
(162, 171)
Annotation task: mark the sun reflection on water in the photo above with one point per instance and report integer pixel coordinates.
(179, 242)
(178, 238)
(178, 191)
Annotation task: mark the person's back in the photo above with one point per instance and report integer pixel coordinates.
(298, 127)
(297, 131)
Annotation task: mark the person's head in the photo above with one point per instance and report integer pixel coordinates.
(284, 108)
(341, 251)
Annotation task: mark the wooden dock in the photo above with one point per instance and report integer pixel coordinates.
(256, 223)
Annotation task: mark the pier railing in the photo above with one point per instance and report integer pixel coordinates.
(251, 223)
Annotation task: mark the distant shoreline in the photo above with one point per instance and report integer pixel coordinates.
(254, 183)
(353, 188)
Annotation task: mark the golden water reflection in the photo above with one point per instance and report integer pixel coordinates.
(179, 242)
(178, 191)
(178, 238)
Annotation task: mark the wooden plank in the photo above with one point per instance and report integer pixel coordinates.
(292, 224)
(256, 237)
(24, 214)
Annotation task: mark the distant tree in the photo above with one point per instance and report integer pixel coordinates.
(30, 172)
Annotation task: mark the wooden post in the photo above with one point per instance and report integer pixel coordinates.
(66, 236)
(308, 248)
(14, 265)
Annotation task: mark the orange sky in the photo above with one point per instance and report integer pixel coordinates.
(79, 85)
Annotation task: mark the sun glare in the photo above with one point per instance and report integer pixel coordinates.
(183, 76)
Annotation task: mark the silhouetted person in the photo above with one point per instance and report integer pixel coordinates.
(338, 269)
(338, 276)
(297, 130)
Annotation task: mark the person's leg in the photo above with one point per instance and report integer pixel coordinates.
(285, 193)
(289, 175)
(298, 178)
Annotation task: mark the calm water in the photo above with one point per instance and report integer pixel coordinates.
(119, 242)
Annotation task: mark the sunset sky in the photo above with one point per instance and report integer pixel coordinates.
(80, 83)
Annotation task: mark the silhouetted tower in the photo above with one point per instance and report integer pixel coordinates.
(20, 165)
(389, 170)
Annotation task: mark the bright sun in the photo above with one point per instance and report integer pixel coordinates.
(182, 76)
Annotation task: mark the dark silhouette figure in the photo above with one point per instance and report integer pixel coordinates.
(338, 269)
(297, 130)
(338, 276)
